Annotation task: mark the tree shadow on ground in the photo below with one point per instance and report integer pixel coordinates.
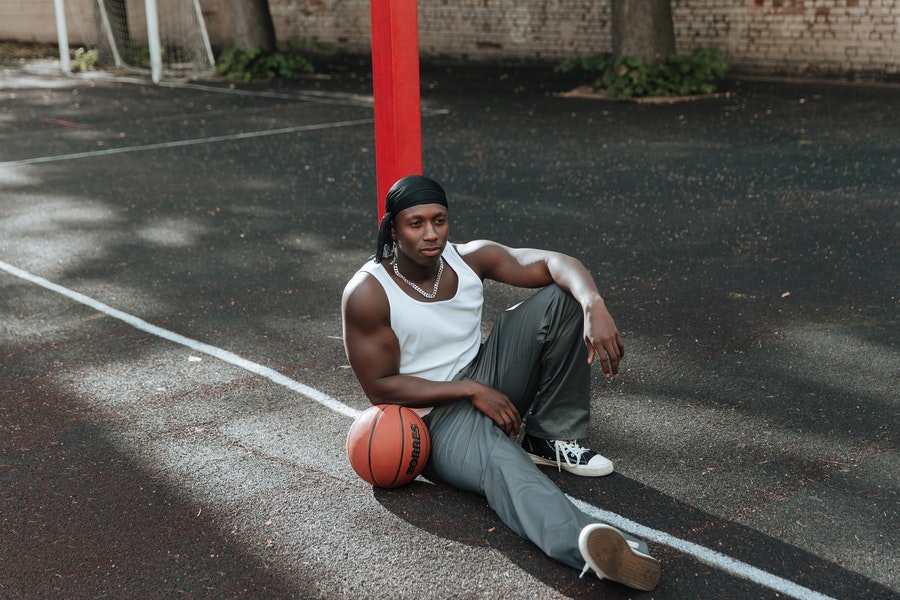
(81, 520)
(467, 519)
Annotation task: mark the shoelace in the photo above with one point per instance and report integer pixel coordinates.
(569, 450)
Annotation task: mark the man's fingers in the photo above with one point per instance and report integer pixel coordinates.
(609, 358)
(614, 357)
(508, 420)
(593, 353)
(614, 365)
(508, 426)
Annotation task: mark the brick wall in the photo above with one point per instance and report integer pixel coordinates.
(826, 37)
(771, 36)
(27, 21)
(470, 29)
(791, 36)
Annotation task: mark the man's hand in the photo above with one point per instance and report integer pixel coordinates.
(602, 340)
(498, 407)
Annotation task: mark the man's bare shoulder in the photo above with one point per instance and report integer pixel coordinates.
(482, 255)
(472, 246)
(364, 296)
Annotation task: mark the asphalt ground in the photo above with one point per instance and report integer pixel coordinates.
(174, 396)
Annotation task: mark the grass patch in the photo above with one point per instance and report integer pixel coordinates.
(27, 50)
(680, 75)
(292, 60)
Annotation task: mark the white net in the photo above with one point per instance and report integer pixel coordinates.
(117, 30)
(183, 37)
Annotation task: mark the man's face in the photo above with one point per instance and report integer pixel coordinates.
(421, 232)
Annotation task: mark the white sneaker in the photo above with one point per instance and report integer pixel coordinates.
(608, 553)
(567, 455)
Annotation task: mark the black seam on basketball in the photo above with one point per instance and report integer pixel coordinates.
(371, 437)
(402, 444)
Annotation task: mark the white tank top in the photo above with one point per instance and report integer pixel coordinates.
(437, 339)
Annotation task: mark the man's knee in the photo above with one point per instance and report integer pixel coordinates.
(558, 297)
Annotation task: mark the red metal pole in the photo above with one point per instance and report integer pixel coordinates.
(395, 85)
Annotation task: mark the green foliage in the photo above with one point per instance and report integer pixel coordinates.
(288, 62)
(82, 60)
(137, 55)
(679, 75)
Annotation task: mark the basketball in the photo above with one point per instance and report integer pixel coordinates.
(388, 445)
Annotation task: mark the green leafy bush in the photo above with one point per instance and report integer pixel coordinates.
(288, 62)
(679, 75)
(82, 60)
(138, 55)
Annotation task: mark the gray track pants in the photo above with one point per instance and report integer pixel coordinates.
(536, 356)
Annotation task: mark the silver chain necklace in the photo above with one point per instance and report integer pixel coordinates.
(437, 280)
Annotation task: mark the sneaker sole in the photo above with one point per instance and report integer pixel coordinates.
(609, 555)
(581, 471)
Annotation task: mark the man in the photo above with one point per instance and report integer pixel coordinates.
(412, 333)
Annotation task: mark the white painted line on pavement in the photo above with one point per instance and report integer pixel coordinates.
(315, 97)
(311, 97)
(331, 98)
(701, 553)
(207, 140)
(223, 355)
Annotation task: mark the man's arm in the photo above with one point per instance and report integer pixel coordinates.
(374, 354)
(527, 267)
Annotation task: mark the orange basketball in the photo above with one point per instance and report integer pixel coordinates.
(388, 445)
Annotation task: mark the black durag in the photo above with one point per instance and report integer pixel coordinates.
(409, 191)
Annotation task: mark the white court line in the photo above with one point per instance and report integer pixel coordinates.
(316, 97)
(701, 553)
(340, 98)
(223, 355)
(325, 98)
(191, 142)
(336, 98)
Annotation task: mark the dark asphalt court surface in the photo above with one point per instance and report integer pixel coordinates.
(174, 396)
